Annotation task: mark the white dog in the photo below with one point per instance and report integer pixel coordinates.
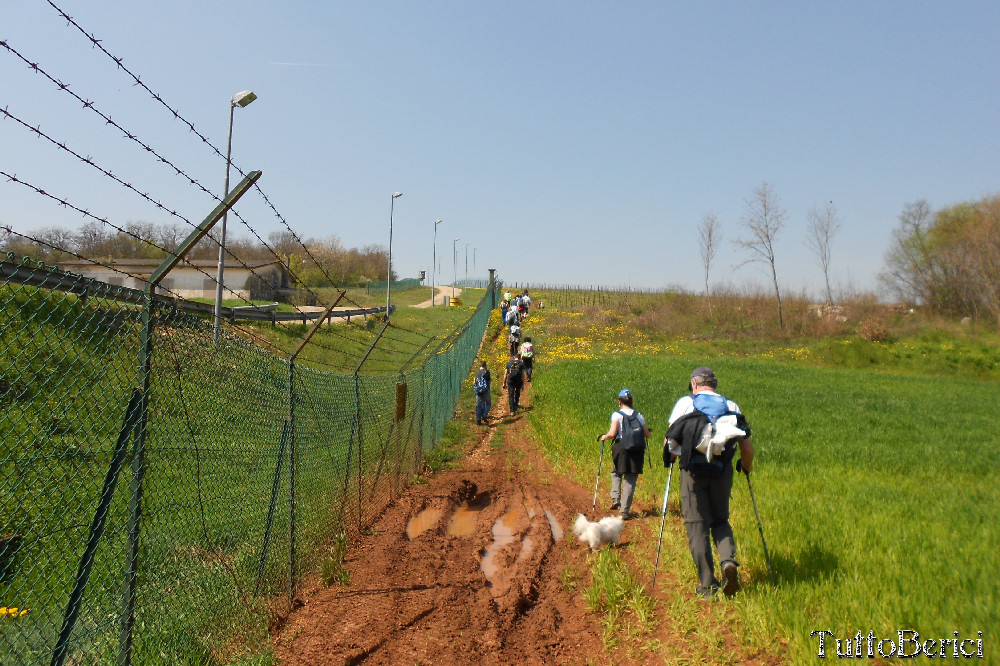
(595, 535)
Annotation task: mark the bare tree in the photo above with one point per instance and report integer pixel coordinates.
(823, 226)
(709, 238)
(909, 262)
(763, 220)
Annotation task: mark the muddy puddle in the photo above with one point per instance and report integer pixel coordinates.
(504, 532)
(422, 522)
(463, 521)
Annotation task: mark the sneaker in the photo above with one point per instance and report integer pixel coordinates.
(628, 515)
(614, 506)
(731, 581)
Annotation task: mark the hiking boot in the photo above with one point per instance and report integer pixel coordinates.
(710, 593)
(628, 515)
(731, 581)
(615, 505)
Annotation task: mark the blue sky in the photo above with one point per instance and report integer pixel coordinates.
(572, 143)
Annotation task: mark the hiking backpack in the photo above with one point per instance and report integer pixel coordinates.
(527, 350)
(480, 386)
(514, 371)
(708, 458)
(630, 432)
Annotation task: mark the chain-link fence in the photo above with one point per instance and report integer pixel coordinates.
(164, 494)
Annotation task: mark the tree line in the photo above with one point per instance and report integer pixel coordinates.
(948, 261)
(315, 262)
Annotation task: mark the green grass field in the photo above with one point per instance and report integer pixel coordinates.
(877, 489)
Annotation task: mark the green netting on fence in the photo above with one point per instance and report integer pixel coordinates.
(172, 526)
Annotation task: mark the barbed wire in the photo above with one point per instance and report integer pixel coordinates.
(87, 104)
(63, 202)
(119, 63)
(89, 161)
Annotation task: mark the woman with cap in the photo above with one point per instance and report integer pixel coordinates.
(627, 455)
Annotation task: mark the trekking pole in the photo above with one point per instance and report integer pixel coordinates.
(600, 461)
(663, 517)
(760, 528)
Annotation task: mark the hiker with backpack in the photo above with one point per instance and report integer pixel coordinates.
(481, 387)
(513, 382)
(527, 354)
(630, 432)
(705, 431)
(514, 339)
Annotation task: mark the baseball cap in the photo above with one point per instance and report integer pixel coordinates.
(703, 371)
(625, 393)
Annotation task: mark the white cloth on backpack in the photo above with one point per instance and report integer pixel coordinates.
(713, 442)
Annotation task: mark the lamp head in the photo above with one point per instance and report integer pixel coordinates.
(243, 98)
(437, 221)
(396, 195)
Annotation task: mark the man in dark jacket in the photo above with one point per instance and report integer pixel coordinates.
(706, 489)
(513, 381)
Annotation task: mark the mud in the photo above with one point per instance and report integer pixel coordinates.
(465, 569)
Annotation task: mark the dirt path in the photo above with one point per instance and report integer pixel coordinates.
(435, 598)
(441, 297)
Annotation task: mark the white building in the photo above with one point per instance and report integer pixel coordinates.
(258, 279)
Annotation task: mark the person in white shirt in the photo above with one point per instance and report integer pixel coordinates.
(705, 490)
(626, 462)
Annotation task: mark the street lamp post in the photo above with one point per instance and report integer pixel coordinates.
(454, 265)
(474, 261)
(240, 99)
(434, 262)
(388, 272)
(467, 264)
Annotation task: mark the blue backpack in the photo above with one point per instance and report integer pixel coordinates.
(713, 407)
(480, 386)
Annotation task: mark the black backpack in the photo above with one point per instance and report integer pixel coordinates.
(514, 371)
(631, 433)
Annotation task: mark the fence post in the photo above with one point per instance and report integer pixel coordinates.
(291, 482)
(132, 411)
(139, 445)
(270, 510)
(493, 290)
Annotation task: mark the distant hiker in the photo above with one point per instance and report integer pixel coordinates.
(514, 338)
(525, 303)
(504, 307)
(527, 354)
(506, 296)
(630, 432)
(707, 480)
(481, 387)
(513, 381)
(512, 318)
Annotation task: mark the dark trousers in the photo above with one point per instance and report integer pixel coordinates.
(527, 367)
(513, 396)
(705, 504)
(483, 404)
